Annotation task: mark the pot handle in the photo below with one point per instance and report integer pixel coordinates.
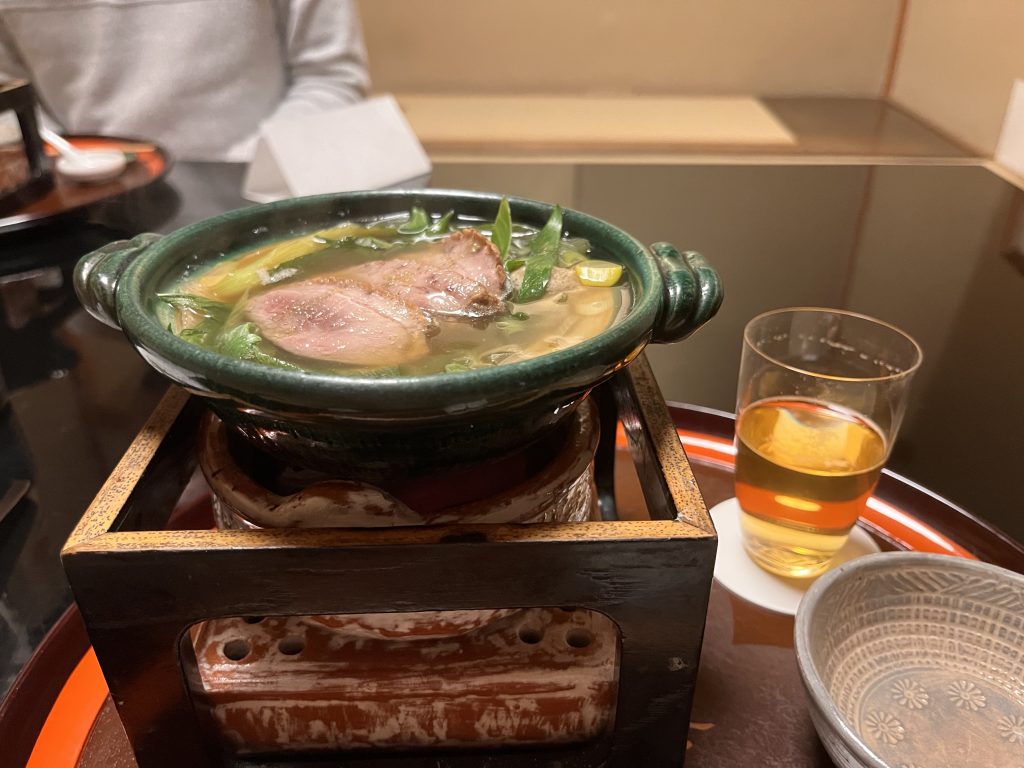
(98, 273)
(692, 293)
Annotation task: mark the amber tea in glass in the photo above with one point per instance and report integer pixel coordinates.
(821, 396)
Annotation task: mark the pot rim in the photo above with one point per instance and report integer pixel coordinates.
(572, 368)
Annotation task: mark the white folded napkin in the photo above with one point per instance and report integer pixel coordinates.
(368, 145)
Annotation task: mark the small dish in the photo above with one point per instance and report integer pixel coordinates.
(915, 660)
(92, 168)
(84, 166)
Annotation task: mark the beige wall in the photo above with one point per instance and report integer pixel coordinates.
(957, 62)
(953, 64)
(783, 47)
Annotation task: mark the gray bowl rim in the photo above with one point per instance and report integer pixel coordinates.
(813, 683)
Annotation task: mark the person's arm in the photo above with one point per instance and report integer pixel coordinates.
(323, 47)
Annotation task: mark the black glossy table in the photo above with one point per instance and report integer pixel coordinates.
(933, 249)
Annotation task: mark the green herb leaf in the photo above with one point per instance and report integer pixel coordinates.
(199, 305)
(374, 243)
(502, 234)
(243, 341)
(458, 365)
(541, 258)
(443, 225)
(189, 307)
(200, 334)
(417, 223)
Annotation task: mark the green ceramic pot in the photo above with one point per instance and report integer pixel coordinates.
(375, 428)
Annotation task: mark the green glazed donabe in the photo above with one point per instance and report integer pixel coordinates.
(380, 427)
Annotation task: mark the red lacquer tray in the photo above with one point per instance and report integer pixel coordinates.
(149, 163)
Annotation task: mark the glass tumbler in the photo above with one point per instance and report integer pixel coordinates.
(820, 399)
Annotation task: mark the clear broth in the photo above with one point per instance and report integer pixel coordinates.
(558, 320)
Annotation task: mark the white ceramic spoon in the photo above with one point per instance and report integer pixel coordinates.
(84, 165)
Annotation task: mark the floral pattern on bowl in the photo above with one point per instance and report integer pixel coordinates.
(916, 661)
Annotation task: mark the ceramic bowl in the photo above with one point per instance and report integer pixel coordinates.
(379, 427)
(915, 661)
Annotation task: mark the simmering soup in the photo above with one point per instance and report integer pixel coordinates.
(406, 295)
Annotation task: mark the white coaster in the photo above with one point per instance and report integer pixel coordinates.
(740, 575)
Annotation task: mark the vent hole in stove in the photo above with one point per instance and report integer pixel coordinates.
(578, 638)
(292, 646)
(236, 650)
(530, 635)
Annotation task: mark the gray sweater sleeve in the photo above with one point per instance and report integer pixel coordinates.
(322, 42)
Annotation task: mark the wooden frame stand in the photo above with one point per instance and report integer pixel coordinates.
(140, 587)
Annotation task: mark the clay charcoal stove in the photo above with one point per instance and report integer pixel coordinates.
(496, 611)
